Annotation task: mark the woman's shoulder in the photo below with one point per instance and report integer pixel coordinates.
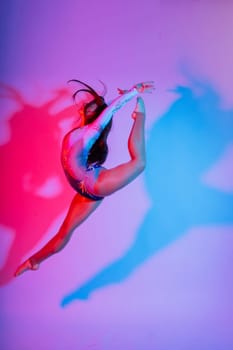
(74, 133)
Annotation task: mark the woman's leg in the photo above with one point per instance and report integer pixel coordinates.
(79, 210)
(113, 179)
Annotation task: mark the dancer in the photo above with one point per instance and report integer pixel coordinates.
(84, 150)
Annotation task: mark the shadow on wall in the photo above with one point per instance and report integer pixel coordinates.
(182, 146)
(34, 190)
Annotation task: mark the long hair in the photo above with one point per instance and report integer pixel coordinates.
(99, 151)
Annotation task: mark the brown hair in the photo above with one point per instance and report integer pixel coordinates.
(99, 151)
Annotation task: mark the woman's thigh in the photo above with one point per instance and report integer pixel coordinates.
(79, 210)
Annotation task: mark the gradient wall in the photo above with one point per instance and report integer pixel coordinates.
(152, 268)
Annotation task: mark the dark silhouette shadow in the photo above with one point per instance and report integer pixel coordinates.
(29, 159)
(181, 147)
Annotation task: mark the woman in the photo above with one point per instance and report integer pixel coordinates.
(84, 150)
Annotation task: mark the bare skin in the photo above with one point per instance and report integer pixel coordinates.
(107, 182)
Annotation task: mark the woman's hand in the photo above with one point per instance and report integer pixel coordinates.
(147, 86)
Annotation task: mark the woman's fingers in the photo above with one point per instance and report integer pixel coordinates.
(147, 86)
(149, 83)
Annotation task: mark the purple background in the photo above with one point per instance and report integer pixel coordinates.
(152, 267)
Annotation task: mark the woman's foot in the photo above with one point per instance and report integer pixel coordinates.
(27, 265)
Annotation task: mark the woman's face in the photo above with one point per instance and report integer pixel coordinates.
(87, 112)
(90, 110)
